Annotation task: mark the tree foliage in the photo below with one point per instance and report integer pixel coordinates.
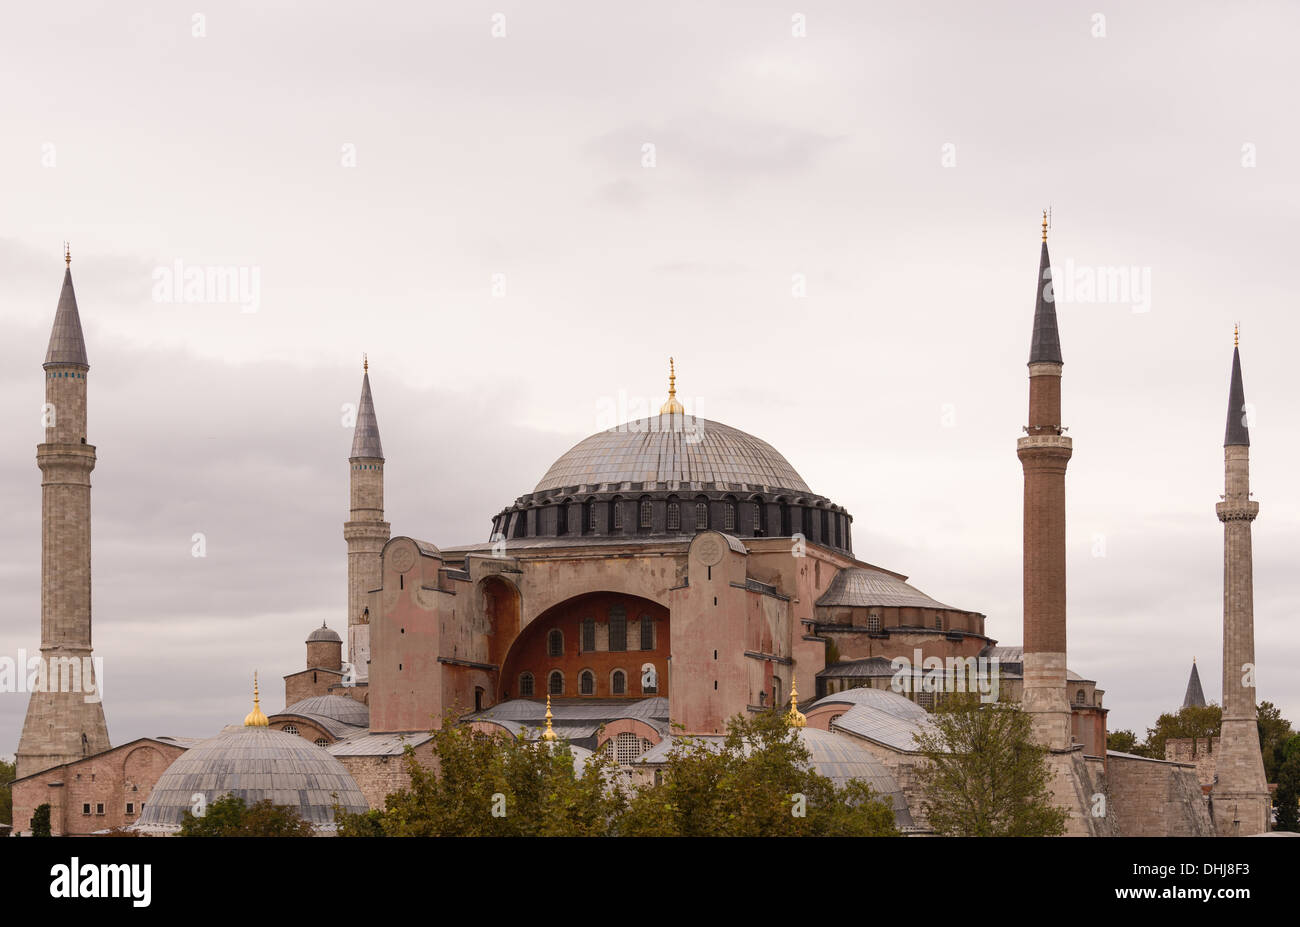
(230, 816)
(1287, 797)
(756, 781)
(1274, 733)
(41, 821)
(1124, 742)
(1199, 721)
(985, 776)
(487, 784)
(492, 785)
(7, 773)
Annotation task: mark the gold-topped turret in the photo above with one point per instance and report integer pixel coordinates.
(794, 716)
(255, 718)
(672, 406)
(549, 733)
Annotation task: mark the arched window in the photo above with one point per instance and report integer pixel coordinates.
(588, 635)
(647, 633)
(938, 622)
(562, 518)
(322, 742)
(616, 514)
(925, 700)
(618, 682)
(729, 516)
(758, 519)
(555, 683)
(290, 729)
(555, 643)
(1079, 697)
(587, 683)
(647, 512)
(826, 528)
(618, 628)
(786, 529)
(650, 681)
(873, 622)
(701, 514)
(521, 524)
(624, 748)
(674, 516)
(589, 516)
(525, 685)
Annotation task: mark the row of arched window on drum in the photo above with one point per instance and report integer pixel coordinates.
(673, 519)
(586, 684)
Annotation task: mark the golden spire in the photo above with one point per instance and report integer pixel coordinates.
(672, 406)
(548, 734)
(1044, 225)
(255, 718)
(794, 715)
(1236, 333)
(67, 254)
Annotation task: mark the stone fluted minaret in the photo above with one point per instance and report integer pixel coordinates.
(1044, 452)
(1240, 794)
(65, 722)
(366, 531)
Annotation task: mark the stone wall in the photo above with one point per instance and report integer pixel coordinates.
(1154, 798)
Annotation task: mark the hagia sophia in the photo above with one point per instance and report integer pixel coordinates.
(660, 577)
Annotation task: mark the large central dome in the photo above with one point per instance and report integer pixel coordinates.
(673, 449)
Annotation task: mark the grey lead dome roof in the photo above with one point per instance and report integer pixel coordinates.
(254, 763)
(673, 448)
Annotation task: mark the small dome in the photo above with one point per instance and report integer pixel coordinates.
(840, 759)
(324, 634)
(336, 707)
(253, 763)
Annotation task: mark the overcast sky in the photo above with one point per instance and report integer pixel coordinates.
(836, 235)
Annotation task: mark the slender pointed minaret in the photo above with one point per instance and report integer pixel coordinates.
(1194, 697)
(1240, 793)
(65, 721)
(1044, 452)
(366, 531)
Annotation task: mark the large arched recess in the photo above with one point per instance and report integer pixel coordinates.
(529, 652)
(498, 605)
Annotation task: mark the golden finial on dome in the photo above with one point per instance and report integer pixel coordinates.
(672, 406)
(255, 718)
(548, 734)
(794, 715)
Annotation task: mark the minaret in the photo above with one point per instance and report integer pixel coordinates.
(1240, 794)
(1044, 452)
(1194, 697)
(65, 722)
(366, 531)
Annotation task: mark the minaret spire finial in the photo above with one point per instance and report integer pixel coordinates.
(67, 253)
(365, 364)
(255, 718)
(1236, 334)
(1044, 225)
(672, 406)
(549, 733)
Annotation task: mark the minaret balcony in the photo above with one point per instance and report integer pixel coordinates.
(1236, 510)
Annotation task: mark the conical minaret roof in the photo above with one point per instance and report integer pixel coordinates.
(1195, 696)
(1046, 345)
(365, 440)
(1237, 433)
(67, 346)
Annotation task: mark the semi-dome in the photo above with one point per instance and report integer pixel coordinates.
(336, 707)
(673, 449)
(254, 763)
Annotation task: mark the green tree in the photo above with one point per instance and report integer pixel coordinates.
(230, 816)
(1199, 721)
(1287, 797)
(1274, 732)
(1123, 741)
(485, 784)
(7, 772)
(756, 781)
(41, 821)
(985, 776)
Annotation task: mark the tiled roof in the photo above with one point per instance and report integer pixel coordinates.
(857, 586)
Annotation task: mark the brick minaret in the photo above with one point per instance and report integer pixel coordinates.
(1044, 452)
(64, 723)
(1241, 802)
(366, 531)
